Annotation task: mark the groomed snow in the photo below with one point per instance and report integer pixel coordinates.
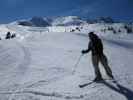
(39, 66)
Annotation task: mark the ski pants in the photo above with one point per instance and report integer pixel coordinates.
(103, 59)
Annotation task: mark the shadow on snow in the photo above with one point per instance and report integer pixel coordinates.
(120, 89)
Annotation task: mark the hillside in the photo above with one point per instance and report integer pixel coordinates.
(62, 21)
(38, 64)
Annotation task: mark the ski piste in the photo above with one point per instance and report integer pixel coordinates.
(97, 82)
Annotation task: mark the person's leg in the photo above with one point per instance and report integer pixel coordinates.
(104, 62)
(95, 62)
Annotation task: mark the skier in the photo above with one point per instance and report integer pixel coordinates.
(8, 35)
(13, 35)
(96, 47)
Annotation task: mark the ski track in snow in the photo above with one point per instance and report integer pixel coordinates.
(54, 94)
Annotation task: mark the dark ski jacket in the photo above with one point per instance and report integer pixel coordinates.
(95, 45)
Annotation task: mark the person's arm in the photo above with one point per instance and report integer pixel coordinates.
(87, 50)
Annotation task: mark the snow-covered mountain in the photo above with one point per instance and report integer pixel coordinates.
(106, 23)
(101, 20)
(57, 21)
(75, 24)
(34, 22)
(68, 21)
(61, 21)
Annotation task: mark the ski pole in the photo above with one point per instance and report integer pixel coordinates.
(76, 65)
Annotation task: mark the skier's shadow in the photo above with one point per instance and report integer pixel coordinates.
(120, 89)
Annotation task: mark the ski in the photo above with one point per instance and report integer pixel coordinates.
(91, 82)
(86, 84)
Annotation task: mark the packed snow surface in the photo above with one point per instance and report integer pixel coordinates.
(38, 65)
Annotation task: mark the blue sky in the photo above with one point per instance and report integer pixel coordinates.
(22, 9)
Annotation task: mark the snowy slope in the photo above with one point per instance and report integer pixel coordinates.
(73, 24)
(39, 67)
(4, 30)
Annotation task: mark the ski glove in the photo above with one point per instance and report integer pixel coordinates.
(83, 51)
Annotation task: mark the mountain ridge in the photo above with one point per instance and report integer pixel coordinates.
(61, 21)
